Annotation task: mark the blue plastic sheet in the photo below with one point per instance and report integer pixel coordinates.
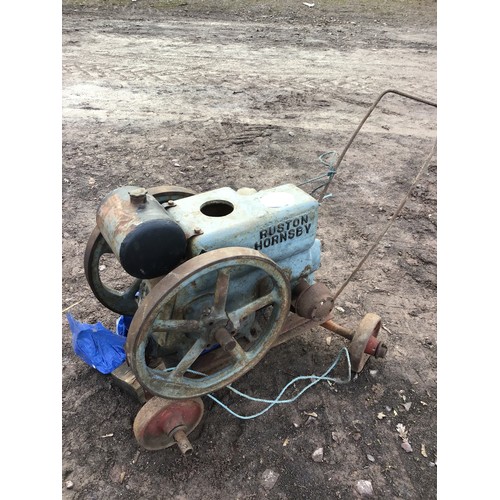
(97, 346)
(123, 324)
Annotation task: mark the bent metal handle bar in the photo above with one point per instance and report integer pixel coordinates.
(403, 201)
(368, 113)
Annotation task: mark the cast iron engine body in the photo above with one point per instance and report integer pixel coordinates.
(151, 239)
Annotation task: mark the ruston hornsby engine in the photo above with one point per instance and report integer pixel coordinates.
(221, 277)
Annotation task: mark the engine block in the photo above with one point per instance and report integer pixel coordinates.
(280, 222)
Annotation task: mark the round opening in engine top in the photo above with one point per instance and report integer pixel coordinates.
(217, 208)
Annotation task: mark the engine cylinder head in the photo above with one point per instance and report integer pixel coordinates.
(146, 241)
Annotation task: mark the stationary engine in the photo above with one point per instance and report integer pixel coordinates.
(221, 277)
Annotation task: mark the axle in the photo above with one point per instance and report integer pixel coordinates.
(373, 347)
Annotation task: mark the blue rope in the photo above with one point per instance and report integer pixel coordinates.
(271, 402)
(331, 171)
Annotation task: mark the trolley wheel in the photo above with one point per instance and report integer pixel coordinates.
(161, 423)
(368, 327)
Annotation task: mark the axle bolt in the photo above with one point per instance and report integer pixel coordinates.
(381, 350)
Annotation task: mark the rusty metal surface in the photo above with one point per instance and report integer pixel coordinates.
(128, 206)
(161, 423)
(368, 328)
(293, 327)
(213, 361)
(182, 441)
(120, 301)
(136, 226)
(347, 333)
(118, 213)
(314, 302)
(161, 312)
(125, 378)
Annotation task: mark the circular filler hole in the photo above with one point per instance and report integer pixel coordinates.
(217, 208)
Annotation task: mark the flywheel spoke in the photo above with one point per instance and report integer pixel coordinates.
(247, 309)
(221, 289)
(188, 359)
(176, 325)
(238, 353)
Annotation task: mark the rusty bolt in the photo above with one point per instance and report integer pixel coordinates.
(198, 230)
(138, 196)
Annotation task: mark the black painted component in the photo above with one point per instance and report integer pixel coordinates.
(153, 249)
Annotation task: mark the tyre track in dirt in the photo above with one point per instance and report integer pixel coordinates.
(175, 76)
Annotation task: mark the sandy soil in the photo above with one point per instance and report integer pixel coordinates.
(213, 94)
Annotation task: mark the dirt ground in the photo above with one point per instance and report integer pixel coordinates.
(250, 94)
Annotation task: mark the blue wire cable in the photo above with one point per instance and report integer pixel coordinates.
(271, 402)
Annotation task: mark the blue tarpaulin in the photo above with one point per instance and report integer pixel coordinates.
(123, 324)
(98, 346)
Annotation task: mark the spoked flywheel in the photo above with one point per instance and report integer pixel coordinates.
(233, 298)
(120, 301)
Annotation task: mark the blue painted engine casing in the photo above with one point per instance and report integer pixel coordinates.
(280, 222)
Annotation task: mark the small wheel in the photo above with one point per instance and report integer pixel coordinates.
(368, 327)
(159, 420)
(120, 301)
(206, 302)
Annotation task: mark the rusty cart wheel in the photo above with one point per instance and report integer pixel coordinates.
(161, 423)
(367, 329)
(204, 304)
(120, 301)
